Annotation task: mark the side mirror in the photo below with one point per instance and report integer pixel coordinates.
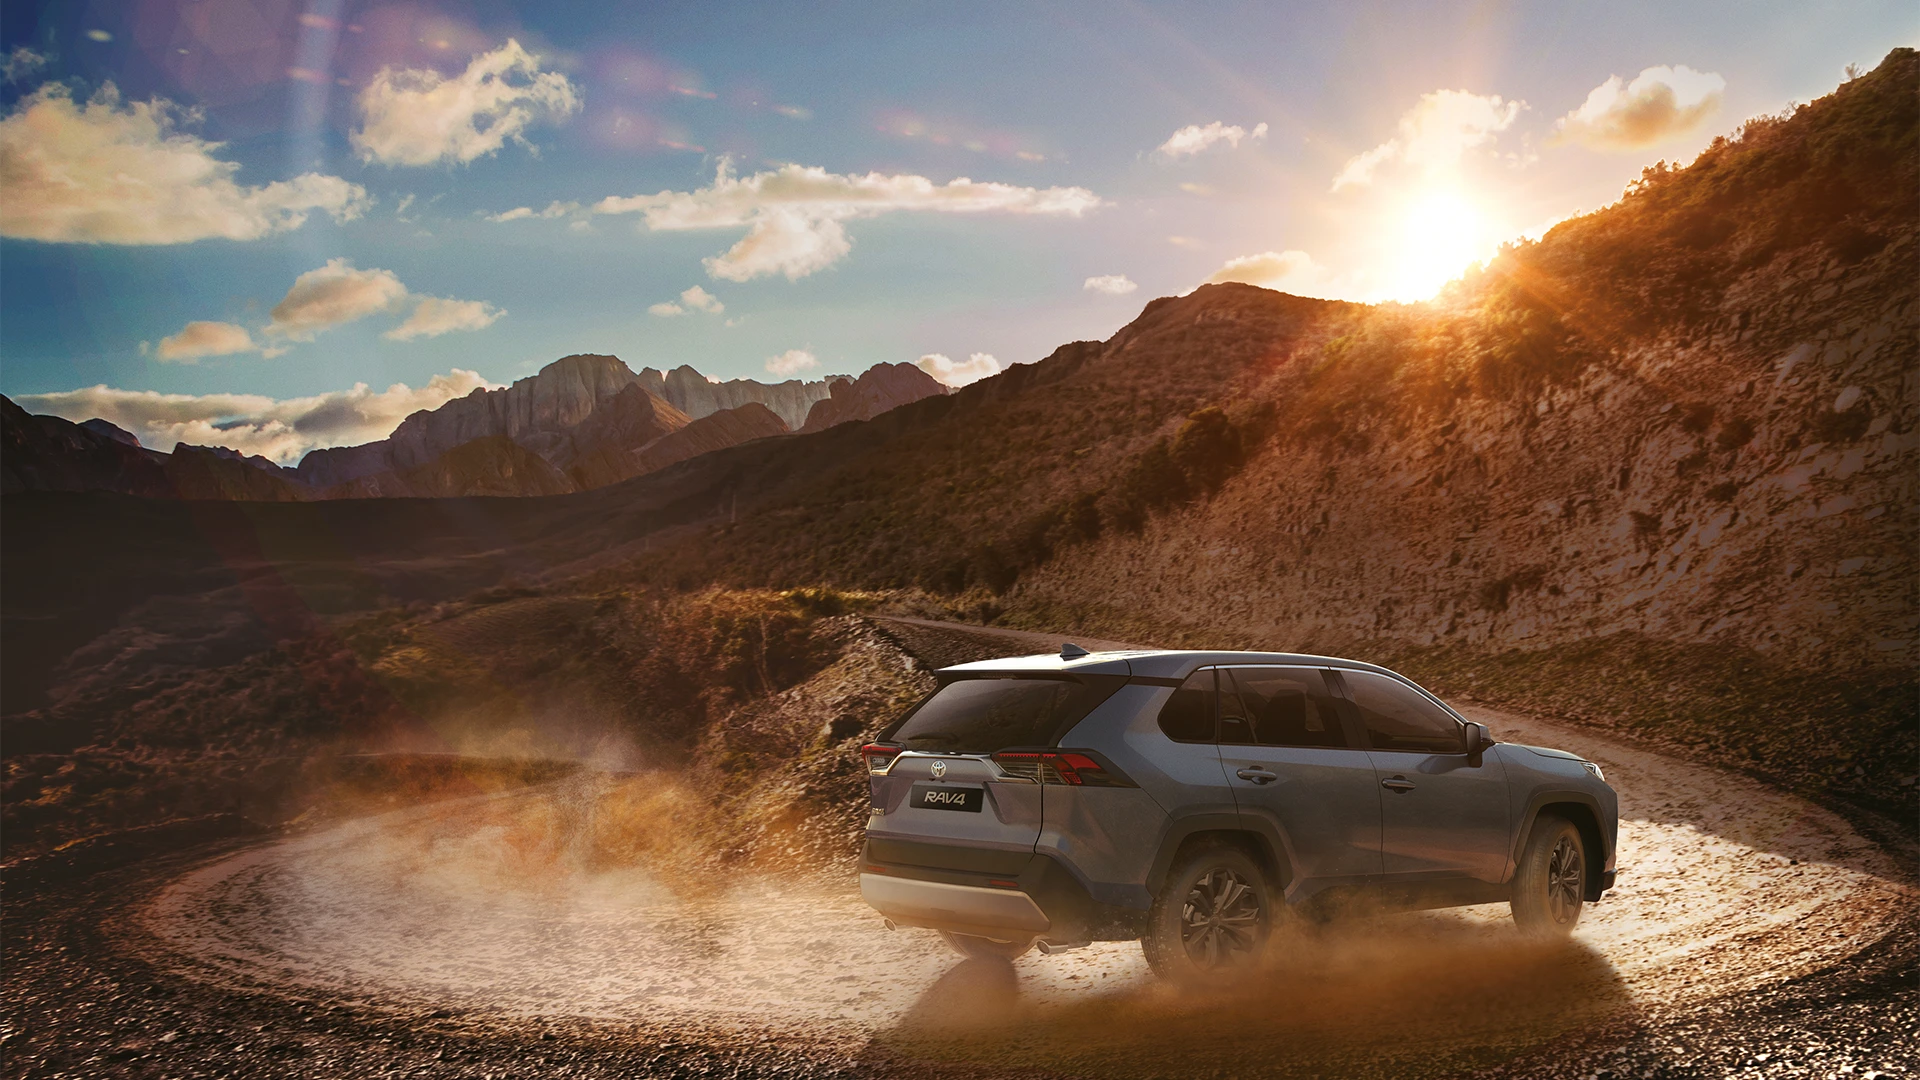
(1479, 737)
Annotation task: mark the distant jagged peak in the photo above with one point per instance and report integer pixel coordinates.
(879, 389)
(111, 430)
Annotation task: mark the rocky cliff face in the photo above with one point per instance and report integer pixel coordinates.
(879, 389)
(493, 466)
(561, 395)
(697, 396)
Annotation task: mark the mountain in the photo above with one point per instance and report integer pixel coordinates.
(881, 388)
(531, 412)
(590, 419)
(697, 396)
(47, 453)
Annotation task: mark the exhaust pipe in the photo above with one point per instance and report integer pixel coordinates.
(1048, 948)
(889, 924)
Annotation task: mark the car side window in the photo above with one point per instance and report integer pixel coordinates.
(1398, 717)
(1285, 707)
(1188, 714)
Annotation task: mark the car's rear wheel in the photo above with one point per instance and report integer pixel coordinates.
(985, 948)
(1550, 884)
(1212, 919)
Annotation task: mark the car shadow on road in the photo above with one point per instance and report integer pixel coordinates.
(1402, 996)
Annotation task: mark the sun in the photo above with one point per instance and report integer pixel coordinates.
(1440, 233)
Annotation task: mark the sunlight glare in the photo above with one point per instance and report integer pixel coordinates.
(1441, 233)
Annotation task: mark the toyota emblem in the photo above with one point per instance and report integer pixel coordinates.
(939, 770)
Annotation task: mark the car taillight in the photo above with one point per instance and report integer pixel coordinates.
(1079, 768)
(879, 758)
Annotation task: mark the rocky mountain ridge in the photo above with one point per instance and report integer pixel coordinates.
(582, 422)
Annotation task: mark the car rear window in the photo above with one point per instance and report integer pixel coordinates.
(982, 715)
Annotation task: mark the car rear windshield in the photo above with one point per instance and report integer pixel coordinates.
(982, 715)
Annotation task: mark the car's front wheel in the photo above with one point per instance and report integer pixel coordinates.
(985, 948)
(1212, 919)
(1550, 884)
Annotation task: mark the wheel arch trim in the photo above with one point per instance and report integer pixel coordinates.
(1270, 839)
(1591, 830)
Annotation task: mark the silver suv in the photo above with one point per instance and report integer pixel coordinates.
(1195, 800)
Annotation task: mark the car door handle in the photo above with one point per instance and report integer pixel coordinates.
(1398, 784)
(1258, 776)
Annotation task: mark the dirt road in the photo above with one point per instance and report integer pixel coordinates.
(433, 941)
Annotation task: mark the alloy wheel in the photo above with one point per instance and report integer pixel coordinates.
(1221, 920)
(1564, 881)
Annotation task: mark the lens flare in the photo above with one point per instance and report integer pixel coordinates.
(1440, 233)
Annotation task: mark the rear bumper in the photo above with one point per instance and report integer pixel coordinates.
(968, 909)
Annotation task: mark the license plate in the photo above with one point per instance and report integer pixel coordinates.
(942, 797)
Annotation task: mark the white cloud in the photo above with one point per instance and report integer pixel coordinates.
(100, 173)
(1659, 103)
(518, 213)
(1288, 271)
(420, 117)
(692, 299)
(1111, 284)
(792, 362)
(1435, 134)
(1194, 138)
(699, 299)
(334, 294)
(792, 214)
(435, 315)
(198, 339)
(959, 372)
(280, 429)
(22, 64)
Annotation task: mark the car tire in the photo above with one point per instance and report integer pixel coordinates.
(985, 948)
(1550, 884)
(1212, 919)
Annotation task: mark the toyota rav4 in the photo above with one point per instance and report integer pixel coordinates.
(1194, 800)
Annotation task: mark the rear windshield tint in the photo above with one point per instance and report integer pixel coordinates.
(979, 716)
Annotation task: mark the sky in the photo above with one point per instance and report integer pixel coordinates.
(283, 224)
